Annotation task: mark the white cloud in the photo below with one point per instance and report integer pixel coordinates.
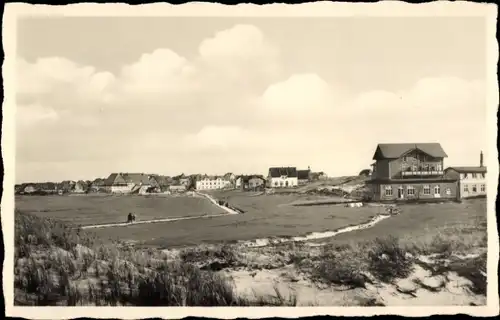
(231, 100)
(240, 43)
(298, 94)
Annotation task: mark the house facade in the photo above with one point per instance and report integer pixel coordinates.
(207, 182)
(250, 182)
(80, 187)
(127, 182)
(410, 171)
(282, 177)
(471, 180)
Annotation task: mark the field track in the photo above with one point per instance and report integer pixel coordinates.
(122, 224)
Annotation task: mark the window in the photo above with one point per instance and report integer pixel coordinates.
(448, 191)
(405, 159)
(466, 188)
(388, 191)
(465, 175)
(483, 175)
(410, 190)
(437, 190)
(483, 188)
(276, 183)
(474, 188)
(427, 190)
(474, 176)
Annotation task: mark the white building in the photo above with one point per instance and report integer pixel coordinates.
(471, 180)
(282, 177)
(212, 183)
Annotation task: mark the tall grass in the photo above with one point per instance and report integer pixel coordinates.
(58, 264)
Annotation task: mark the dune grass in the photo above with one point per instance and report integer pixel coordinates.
(54, 268)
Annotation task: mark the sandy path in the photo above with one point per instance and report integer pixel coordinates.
(121, 224)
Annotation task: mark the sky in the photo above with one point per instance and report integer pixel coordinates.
(212, 95)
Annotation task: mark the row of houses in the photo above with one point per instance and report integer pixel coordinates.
(416, 171)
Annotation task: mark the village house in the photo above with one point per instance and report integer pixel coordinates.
(212, 183)
(282, 177)
(250, 182)
(80, 187)
(471, 180)
(304, 176)
(410, 171)
(66, 186)
(97, 185)
(27, 188)
(128, 183)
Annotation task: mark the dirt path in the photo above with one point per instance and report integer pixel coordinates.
(122, 224)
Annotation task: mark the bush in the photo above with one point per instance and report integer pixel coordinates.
(342, 265)
(387, 260)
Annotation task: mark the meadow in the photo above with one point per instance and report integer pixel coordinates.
(265, 216)
(100, 209)
(433, 252)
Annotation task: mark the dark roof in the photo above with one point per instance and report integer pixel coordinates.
(396, 150)
(468, 169)
(303, 174)
(283, 171)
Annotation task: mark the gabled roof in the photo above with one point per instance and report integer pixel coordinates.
(276, 172)
(396, 150)
(303, 174)
(468, 169)
(136, 178)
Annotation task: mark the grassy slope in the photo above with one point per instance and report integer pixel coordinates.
(89, 209)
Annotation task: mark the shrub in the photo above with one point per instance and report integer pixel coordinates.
(387, 260)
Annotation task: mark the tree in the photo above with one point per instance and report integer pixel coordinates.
(365, 172)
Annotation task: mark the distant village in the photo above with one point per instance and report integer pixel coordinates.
(401, 171)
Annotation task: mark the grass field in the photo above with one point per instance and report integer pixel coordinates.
(98, 209)
(265, 216)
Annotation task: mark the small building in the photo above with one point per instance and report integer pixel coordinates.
(97, 185)
(410, 171)
(282, 177)
(80, 187)
(27, 188)
(212, 183)
(471, 180)
(250, 182)
(304, 176)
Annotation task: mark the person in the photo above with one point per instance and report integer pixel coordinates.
(133, 217)
(129, 217)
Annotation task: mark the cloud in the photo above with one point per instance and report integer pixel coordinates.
(298, 94)
(232, 103)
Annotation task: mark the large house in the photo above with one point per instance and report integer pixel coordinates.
(207, 182)
(282, 177)
(410, 171)
(127, 182)
(471, 180)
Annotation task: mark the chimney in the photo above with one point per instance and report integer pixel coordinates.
(481, 159)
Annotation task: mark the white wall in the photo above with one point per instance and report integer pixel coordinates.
(282, 182)
(207, 184)
(467, 185)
